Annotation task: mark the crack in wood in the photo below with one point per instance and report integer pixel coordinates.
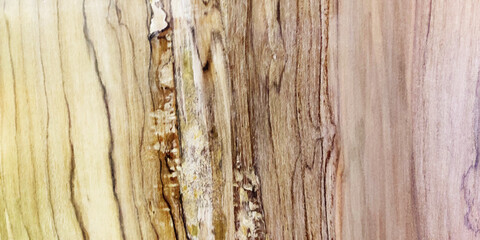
(166, 126)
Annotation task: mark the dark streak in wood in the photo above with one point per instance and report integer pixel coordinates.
(105, 100)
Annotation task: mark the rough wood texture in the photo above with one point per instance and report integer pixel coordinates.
(256, 119)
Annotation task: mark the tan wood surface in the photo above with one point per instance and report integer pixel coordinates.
(225, 119)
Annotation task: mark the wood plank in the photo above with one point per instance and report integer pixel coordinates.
(215, 119)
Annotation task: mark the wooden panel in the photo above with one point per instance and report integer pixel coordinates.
(225, 119)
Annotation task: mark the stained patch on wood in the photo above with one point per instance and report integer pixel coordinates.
(471, 178)
(165, 128)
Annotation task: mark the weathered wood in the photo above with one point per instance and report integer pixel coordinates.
(215, 119)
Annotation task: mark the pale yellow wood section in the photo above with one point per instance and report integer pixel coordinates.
(76, 137)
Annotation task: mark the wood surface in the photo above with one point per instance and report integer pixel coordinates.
(226, 119)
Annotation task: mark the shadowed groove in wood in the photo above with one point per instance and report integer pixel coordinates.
(165, 115)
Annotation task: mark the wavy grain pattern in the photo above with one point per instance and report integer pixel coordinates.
(226, 119)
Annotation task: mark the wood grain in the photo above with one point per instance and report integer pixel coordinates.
(216, 119)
